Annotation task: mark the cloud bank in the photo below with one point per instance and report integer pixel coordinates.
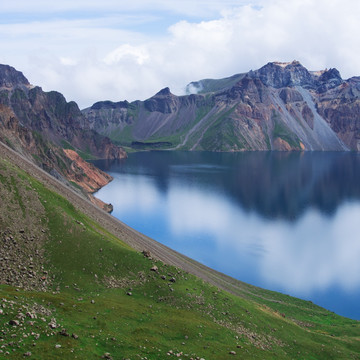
(110, 53)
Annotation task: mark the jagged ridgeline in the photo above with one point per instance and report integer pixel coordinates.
(49, 116)
(281, 106)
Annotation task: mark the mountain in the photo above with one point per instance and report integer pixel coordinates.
(281, 106)
(51, 116)
(39, 125)
(76, 283)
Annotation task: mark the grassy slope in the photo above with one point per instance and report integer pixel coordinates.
(87, 263)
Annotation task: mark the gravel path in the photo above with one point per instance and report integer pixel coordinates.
(130, 236)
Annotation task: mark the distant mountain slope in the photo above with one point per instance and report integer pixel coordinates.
(281, 106)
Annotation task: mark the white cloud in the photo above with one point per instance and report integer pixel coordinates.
(112, 60)
(128, 52)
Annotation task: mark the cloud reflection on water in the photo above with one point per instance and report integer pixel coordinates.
(312, 254)
(293, 228)
(315, 253)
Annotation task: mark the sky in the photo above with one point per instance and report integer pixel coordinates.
(129, 50)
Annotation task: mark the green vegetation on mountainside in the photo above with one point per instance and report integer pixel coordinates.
(283, 132)
(107, 300)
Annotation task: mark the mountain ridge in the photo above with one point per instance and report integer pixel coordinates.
(281, 106)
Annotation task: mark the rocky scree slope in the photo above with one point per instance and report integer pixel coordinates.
(281, 106)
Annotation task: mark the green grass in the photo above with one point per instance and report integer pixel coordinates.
(283, 132)
(122, 136)
(213, 85)
(86, 262)
(221, 135)
(66, 145)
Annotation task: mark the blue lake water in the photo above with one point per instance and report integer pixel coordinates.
(288, 222)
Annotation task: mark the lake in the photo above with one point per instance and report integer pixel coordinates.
(288, 222)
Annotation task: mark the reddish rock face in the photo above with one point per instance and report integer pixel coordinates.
(85, 174)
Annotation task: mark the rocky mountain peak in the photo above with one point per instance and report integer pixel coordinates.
(331, 74)
(163, 101)
(10, 77)
(164, 92)
(329, 79)
(279, 75)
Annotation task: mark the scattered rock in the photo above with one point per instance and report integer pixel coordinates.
(146, 253)
(28, 353)
(129, 293)
(63, 332)
(154, 268)
(57, 346)
(172, 280)
(52, 325)
(75, 336)
(232, 352)
(92, 301)
(107, 356)
(14, 322)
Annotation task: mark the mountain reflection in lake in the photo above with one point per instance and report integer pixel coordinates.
(283, 221)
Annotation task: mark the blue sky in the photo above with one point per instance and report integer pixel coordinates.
(116, 50)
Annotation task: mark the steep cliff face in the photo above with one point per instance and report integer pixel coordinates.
(49, 114)
(281, 106)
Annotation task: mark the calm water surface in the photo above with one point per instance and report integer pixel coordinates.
(288, 222)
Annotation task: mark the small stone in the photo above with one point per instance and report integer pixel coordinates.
(57, 346)
(107, 356)
(232, 352)
(28, 353)
(14, 322)
(30, 315)
(63, 332)
(146, 253)
(172, 279)
(129, 293)
(75, 336)
(154, 268)
(92, 301)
